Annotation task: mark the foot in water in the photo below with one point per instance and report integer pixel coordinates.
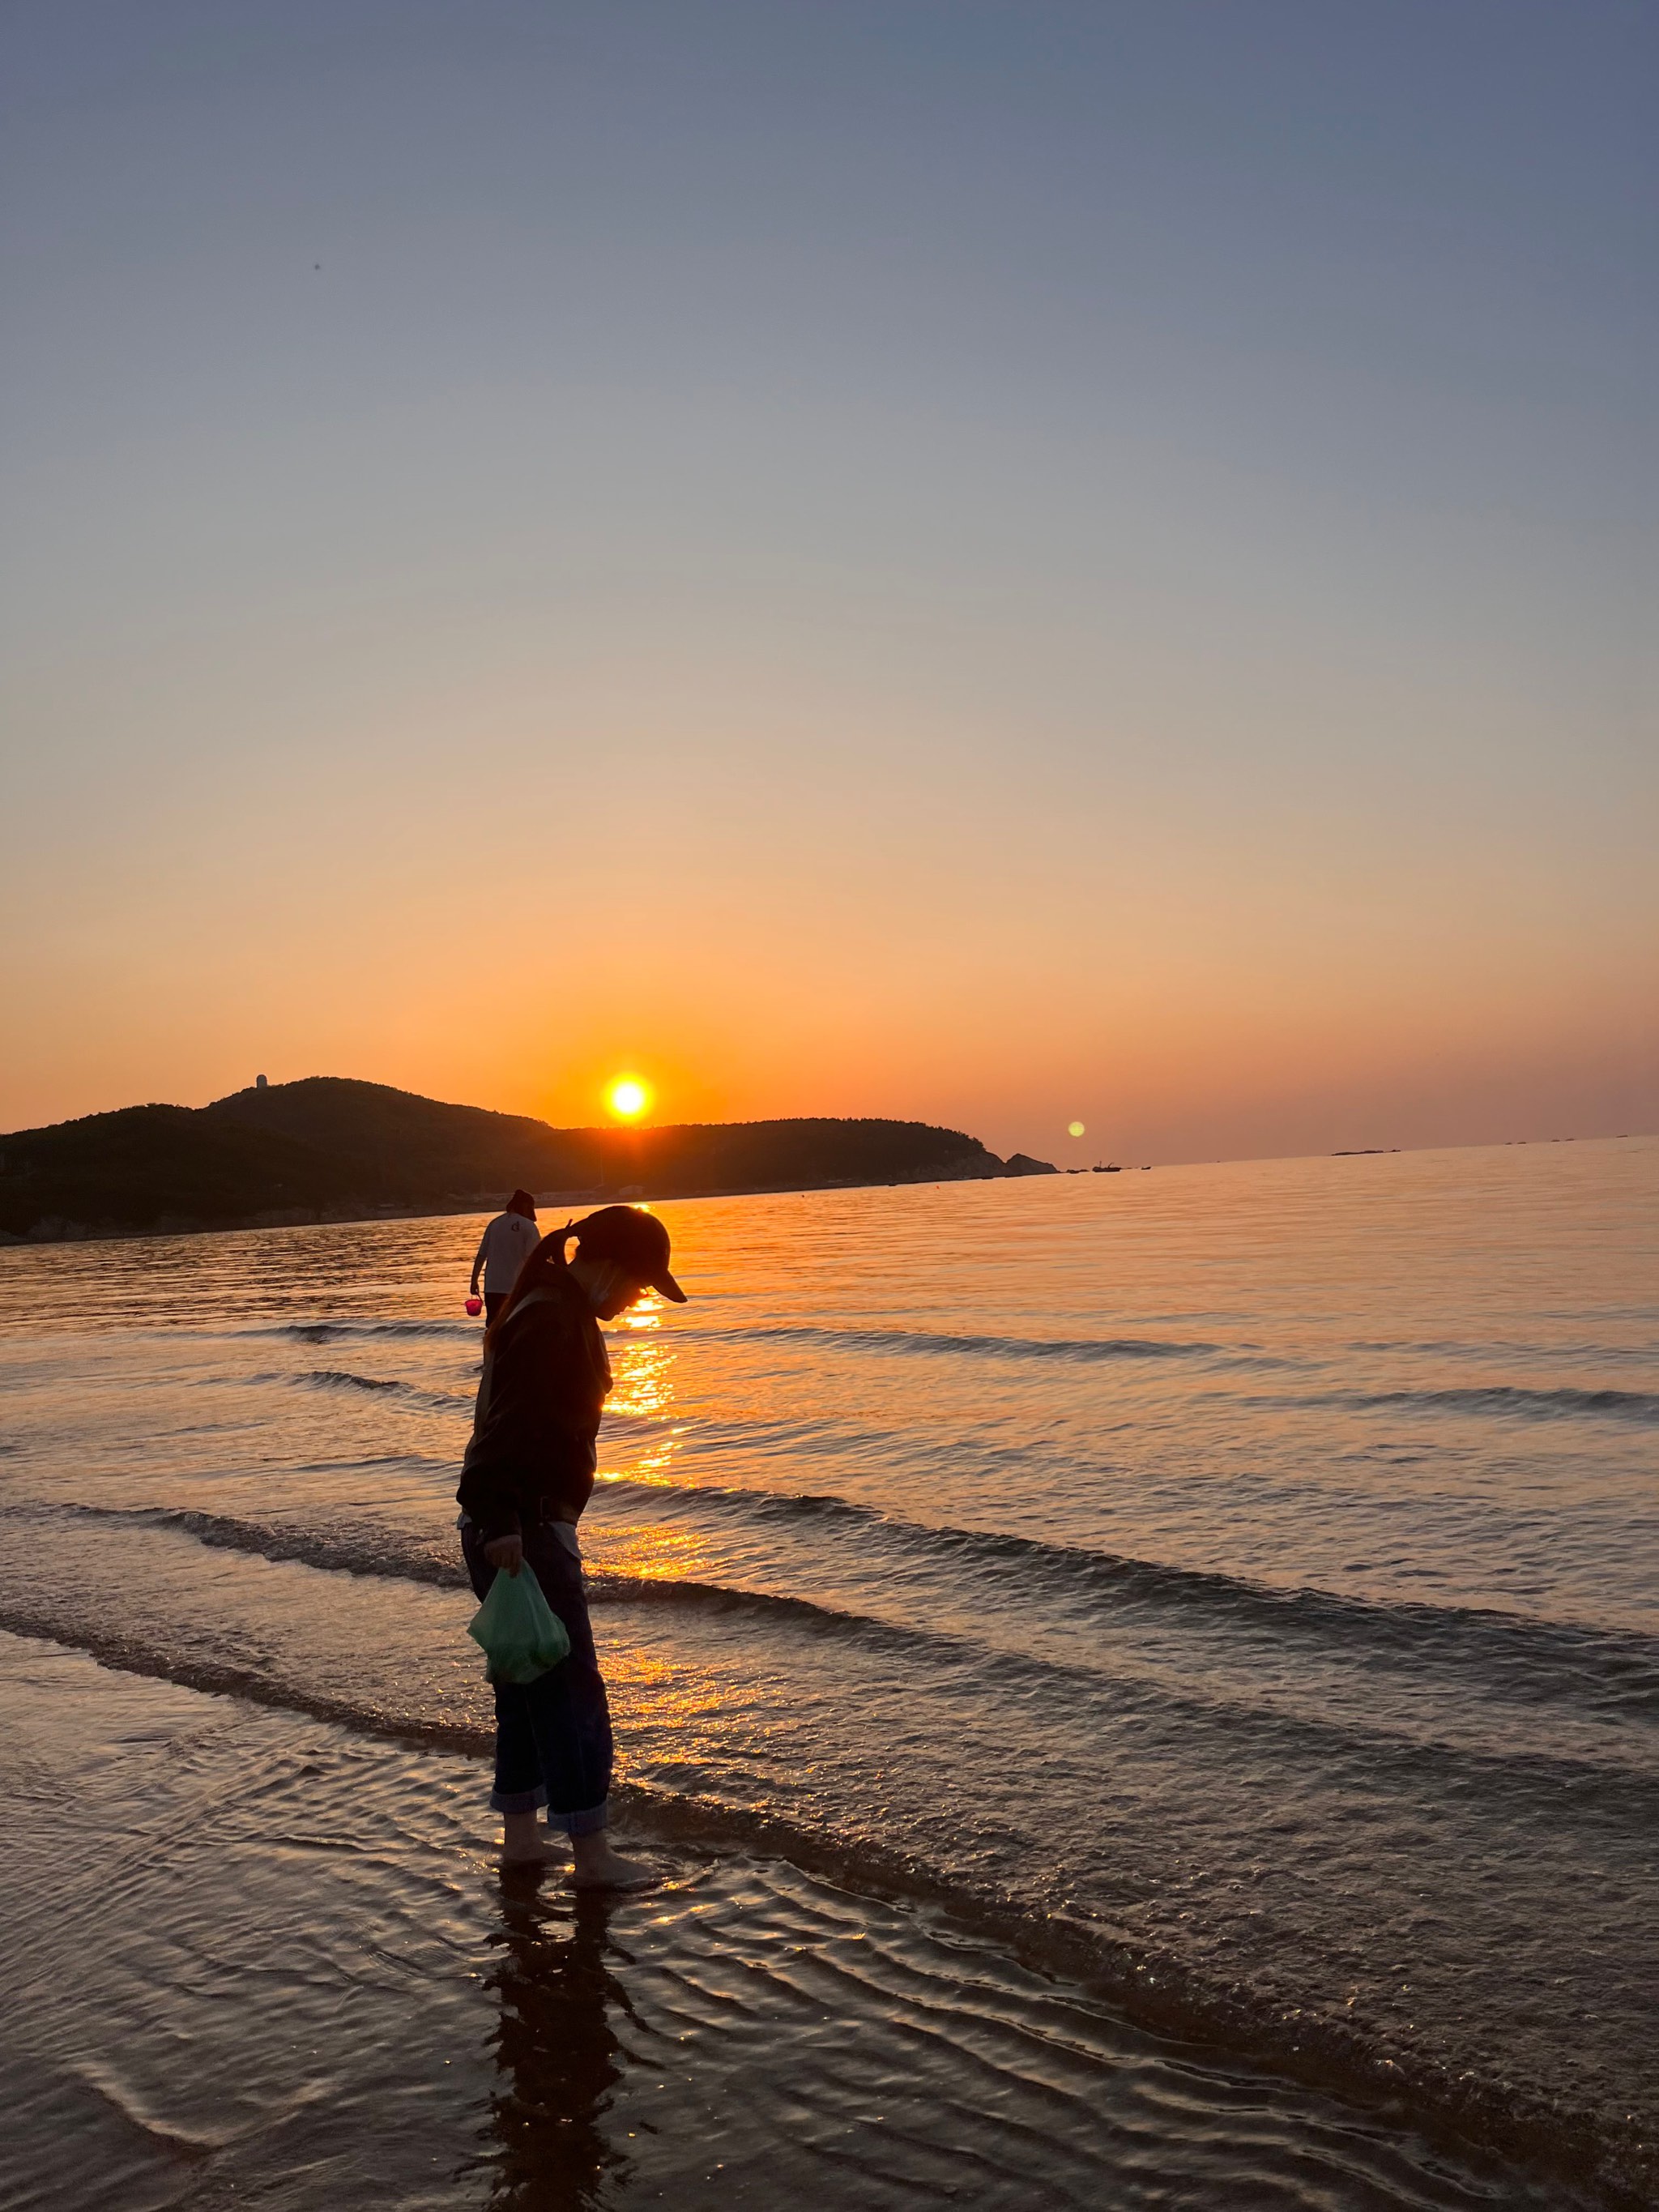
(526, 1841)
(599, 1866)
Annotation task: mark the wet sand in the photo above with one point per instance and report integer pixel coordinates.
(252, 1958)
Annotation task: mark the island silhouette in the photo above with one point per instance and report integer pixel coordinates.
(329, 1148)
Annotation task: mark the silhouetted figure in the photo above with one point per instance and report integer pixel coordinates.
(505, 1246)
(527, 1476)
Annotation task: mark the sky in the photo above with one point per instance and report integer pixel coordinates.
(1000, 564)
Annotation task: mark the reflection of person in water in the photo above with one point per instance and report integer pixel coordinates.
(559, 2059)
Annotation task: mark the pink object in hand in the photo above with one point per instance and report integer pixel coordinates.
(475, 1306)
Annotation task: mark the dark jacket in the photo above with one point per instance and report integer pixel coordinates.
(545, 1379)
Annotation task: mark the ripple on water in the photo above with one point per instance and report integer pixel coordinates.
(305, 1985)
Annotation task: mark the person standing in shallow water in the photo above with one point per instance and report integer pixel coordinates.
(505, 1244)
(527, 1474)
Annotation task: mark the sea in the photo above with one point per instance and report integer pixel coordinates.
(1136, 1689)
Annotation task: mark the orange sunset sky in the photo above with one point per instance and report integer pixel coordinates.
(995, 565)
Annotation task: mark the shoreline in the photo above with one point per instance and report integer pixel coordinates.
(69, 1232)
(170, 1225)
(1080, 1961)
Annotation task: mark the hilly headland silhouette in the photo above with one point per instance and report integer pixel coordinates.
(332, 1149)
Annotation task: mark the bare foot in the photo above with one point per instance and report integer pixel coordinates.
(526, 1841)
(599, 1867)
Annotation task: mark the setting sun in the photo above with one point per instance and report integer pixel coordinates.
(628, 1097)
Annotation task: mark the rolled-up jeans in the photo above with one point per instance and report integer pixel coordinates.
(553, 1742)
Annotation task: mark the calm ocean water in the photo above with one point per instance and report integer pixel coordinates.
(1142, 1689)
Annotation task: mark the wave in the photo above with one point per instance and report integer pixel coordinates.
(1598, 1353)
(365, 1549)
(397, 1556)
(335, 1378)
(1559, 1403)
(1550, 1402)
(1325, 1738)
(1378, 1757)
(341, 1332)
(1612, 1674)
(1152, 1985)
(1086, 1350)
(624, 1428)
(340, 1378)
(1615, 1669)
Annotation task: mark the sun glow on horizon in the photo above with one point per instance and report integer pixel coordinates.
(628, 1097)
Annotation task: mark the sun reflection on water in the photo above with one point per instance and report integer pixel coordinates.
(642, 1364)
(655, 1554)
(643, 1380)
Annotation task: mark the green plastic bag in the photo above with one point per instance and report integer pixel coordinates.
(521, 1635)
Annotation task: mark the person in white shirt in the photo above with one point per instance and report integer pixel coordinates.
(505, 1246)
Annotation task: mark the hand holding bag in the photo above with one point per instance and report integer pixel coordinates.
(520, 1634)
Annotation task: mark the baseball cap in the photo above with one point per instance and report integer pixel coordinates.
(634, 1240)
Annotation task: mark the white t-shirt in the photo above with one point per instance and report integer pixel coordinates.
(503, 1248)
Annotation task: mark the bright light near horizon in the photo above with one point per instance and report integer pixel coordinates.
(628, 1097)
(1074, 1129)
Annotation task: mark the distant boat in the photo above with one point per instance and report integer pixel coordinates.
(1109, 1167)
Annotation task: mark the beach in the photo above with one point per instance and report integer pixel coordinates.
(1137, 1689)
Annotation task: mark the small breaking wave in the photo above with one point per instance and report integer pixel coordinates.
(1551, 1404)
(341, 1378)
(1606, 1671)
(344, 1331)
(337, 1378)
(1374, 1754)
(1085, 1350)
(363, 1549)
(1613, 1670)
